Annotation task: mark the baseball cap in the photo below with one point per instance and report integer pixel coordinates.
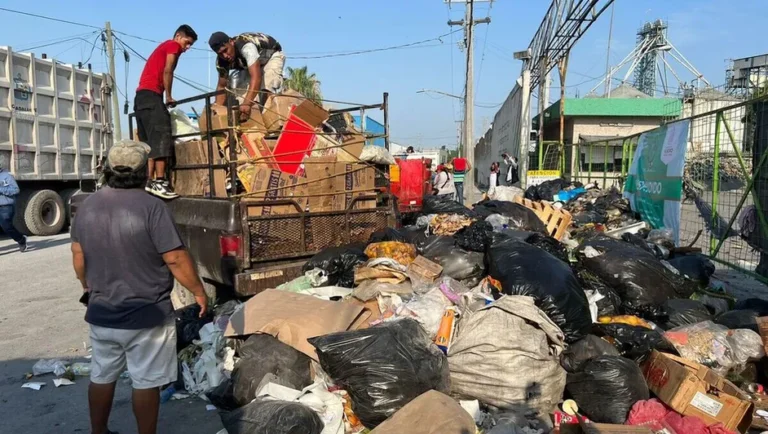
(128, 153)
(217, 40)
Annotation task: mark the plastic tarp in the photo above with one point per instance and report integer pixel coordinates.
(384, 367)
(524, 269)
(502, 349)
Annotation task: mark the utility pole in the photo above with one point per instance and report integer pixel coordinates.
(115, 103)
(468, 148)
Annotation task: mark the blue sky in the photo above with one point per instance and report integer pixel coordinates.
(706, 31)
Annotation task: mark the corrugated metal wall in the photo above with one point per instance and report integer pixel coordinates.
(503, 136)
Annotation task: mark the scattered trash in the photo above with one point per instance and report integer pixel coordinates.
(54, 366)
(58, 382)
(34, 385)
(210, 407)
(400, 252)
(338, 263)
(274, 417)
(80, 369)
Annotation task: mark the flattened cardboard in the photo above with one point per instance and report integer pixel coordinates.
(194, 182)
(425, 269)
(275, 185)
(351, 181)
(605, 428)
(257, 147)
(320, 172)
(353, 147)
(293, 318)
(762, 326)
(311, 113)
(431, 412)
(692, 389)
(218, 119)
(294, 144)
(278, 107)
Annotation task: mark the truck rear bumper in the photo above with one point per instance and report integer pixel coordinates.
(256, 280)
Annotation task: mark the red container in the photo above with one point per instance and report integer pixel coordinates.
(410, 181)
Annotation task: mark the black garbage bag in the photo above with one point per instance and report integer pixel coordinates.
(683, 311)
(264, 356)
(634, 342)
(696, 267)
(524, 269)
(739, 319)
(757, 304)
(520, 217)
(606, 388)
(388, 234)
(383, 367)
(587, 217)
(549, 245)
(414, 235)
(640, 279)
(223, 396)
(188, 325)
(546, 190)
(442, 205)
(339, 263)
(611, 303)
(462, 265)
(272, 417)
(584, 349)
(639, 241)
(474, 237)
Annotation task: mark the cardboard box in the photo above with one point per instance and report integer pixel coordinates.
(425, 269)
(605, 428)
(293, 318)
(194, 182)
(311, 113)
(271, 184)
(320, 172)
(295, 142)
(354, 180)
(692, 389)
(257, 148)
(218, 118)
(325, 146)
(278, 107)
(353, 147)
(762, 326)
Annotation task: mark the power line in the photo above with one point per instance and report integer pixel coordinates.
(49, 18)
(62, 41)
(375, 50)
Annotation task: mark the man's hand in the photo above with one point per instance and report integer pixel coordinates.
(245, 112)
(202, 301)
(170, 102)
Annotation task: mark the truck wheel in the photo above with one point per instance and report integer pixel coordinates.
(18, 216)
(66, 195)
(44, 213)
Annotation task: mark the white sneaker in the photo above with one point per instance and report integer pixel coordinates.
(161, 189)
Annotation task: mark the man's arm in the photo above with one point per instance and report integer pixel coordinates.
(78, 262)
(255, 85)
(183, 269)
(170, 65)
(221, 85)
(9, 189)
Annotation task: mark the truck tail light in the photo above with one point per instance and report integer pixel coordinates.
(230, 245)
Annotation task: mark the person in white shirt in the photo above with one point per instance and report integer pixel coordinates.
(444, 185)
(513, 176)
(493, 179)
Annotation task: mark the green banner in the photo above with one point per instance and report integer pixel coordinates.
(654, 184)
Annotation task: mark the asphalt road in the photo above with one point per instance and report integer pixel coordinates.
(42, 319)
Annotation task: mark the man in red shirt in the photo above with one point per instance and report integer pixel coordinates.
(152, 117)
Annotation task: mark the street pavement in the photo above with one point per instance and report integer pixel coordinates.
(41, 318)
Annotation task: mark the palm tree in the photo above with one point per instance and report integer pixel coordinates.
(300, 80)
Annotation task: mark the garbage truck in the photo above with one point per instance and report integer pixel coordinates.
(244, 243)
(55, 128)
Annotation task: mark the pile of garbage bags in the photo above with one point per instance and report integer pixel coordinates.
(476, 320)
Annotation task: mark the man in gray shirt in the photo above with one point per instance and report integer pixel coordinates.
(126, 252)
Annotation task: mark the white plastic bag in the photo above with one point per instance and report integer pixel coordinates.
(182, 124)
(427, 310)
(505, 193)
(376, 155)
(54, 366)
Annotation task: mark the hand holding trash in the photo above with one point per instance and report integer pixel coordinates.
(202, 301)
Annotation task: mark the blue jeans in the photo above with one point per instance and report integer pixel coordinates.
(460, 192)
(6, 223)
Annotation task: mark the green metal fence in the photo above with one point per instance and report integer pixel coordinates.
(725, 200)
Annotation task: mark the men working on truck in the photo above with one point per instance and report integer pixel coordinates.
(152, 117)
(256, 58)
(126, 253)
(8, 191)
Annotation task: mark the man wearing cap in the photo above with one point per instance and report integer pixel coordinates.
(257, 60)
(126, 253)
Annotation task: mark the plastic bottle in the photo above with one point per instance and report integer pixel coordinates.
(166, 394)
(81, 369)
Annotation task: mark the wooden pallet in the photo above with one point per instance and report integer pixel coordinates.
(556, 220)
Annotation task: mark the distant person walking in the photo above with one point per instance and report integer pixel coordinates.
(152, 117)
(444, 185)
(8, 192)
(460, 168)
(513, 176)
(493, 178)
(126, 252)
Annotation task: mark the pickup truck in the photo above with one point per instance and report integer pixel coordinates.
(238, 254)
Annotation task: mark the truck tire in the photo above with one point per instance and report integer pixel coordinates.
(18, 216)
(66, 195)
(43, 213)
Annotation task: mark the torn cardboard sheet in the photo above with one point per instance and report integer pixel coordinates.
(293, 318)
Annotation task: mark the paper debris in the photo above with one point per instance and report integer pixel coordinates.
(35, 385)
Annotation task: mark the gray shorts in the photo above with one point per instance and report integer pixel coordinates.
(148, 354)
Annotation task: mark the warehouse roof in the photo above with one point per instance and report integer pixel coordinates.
(618, 107)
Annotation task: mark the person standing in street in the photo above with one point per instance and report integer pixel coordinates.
(460, 168)
(126, 252)
(152, 117)
(256, 58)
(444, 185)
(513, 177)
(8, 192)
(493, 178)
